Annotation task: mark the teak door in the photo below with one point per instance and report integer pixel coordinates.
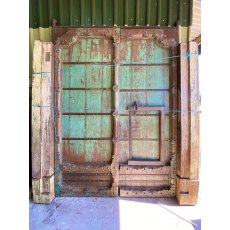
(115, 118)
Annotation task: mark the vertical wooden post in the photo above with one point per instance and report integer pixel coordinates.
(115, 160)
(188, 154)
(183, 154)
(58, 118)
(42, 123)
(195, 114)
(173, 115)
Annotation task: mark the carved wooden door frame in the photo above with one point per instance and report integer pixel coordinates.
(166, 38)
(184, 122)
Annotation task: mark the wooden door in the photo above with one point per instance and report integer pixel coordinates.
(145, 115)
(144, 96)
(114, 121)
(86, 117)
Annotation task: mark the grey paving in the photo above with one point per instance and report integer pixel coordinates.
(90, 213)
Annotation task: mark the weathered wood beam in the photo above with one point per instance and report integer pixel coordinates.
(173, 117)
(42, 123)
(136, 162)
(145, 193)
(187, 191)
(58, 117)
(36, 103)
(194, 104)
(76, 168)
(141, 170)
(183, 160)
(187, 184)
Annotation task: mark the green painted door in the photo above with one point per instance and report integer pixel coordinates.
(87, 116)
(144, 80)
(115, 118)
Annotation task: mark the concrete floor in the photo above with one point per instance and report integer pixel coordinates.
(91, 213)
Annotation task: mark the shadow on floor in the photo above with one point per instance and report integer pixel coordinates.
(197, 223)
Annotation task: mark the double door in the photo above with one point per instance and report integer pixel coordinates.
(116, 123)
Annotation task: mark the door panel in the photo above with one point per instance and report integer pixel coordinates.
(144, 79)
(86, 115)
(144, 82)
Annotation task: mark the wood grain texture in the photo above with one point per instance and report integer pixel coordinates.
(143, 183)
(42, 124)
(187, 191)
(86, 177)
(194, 115)
(146, 193)
(58, 116)
(188, 153)
(183, 156)
(78, 168)
(36, 110)
(43, 190)
(47, 121)
(126, 170)
(145, 177)
(136, 162)
(86, 190)
(174, 116)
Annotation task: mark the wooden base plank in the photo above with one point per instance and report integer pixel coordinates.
(187, 191)
(125, 169)
(146, 193)
(143, 183)
(43, 190)
(86, 177)
(135, 162)
(134, 177)
(71, 190)
(78, 168)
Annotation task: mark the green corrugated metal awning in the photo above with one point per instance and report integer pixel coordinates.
(110, 12)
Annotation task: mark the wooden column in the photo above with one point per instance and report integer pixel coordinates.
(115, 158)
(183, 154)
(188, 154)
(58, 118)
(42, 123)
(173, 116)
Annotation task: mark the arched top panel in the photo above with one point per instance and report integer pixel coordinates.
(165, 38)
